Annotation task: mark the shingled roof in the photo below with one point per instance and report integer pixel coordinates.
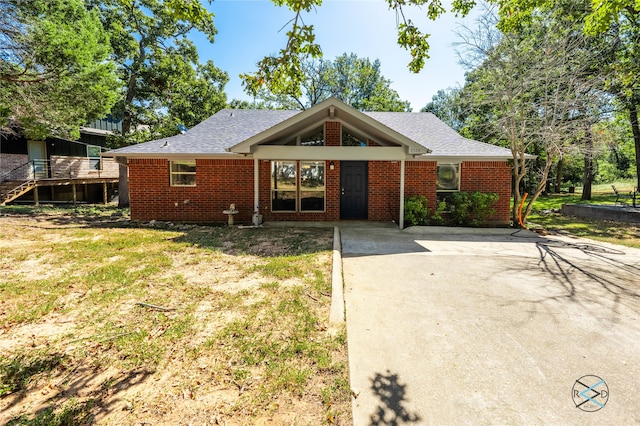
(215, 135)
(429, 131)
(220, 133)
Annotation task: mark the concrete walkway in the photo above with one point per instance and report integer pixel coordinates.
(454, 326)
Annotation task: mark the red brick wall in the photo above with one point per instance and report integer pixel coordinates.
(420, 179)
(332, 133)
(218, 184)
(489, 176)
(222, 182)
(384, 186)
(384, 190)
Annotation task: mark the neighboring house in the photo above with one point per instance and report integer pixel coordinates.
(96, 132)
(328, 163)
(54, 170)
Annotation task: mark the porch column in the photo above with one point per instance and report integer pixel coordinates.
(401, 217)
(104, 192)
(256, 185)
(75, 194)
(36, 200)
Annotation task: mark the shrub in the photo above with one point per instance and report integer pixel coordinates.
(438, 218)
(416, 212)
(471, 209)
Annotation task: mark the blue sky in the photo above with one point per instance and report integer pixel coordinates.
(250, 29)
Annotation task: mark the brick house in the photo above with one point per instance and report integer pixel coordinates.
(328, 163)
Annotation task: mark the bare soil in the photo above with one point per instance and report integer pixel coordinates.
(206, 325)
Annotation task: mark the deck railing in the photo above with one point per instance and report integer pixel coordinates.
(60, 167)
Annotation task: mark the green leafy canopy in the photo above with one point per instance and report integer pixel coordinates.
(54, 67)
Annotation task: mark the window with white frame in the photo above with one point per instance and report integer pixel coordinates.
(312, 186)
(183, 173)
(93, 154)
(447, 180)
(284, 186)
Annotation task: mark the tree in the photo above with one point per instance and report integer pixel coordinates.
(602, 15)
(284, 73)
(624, 82)
(360, 83)
(447, 106)
(618, 151)
(618, 20)
(164, 83)
(541, 90)
(356, 81)
(53, 67)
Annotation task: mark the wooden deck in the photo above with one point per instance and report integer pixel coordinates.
(77, 185)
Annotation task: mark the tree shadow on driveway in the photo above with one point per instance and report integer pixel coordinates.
(607, 267)
(391, 392)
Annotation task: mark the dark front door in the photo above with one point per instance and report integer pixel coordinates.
(353, 186)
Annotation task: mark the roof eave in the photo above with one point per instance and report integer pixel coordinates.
(172, 155)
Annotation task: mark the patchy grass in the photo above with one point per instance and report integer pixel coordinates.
(102, 321)
(546, 214)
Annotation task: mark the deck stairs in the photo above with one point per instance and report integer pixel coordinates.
(18, 181)
(10, 190)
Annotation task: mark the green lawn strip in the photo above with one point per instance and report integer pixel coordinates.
(545, 214)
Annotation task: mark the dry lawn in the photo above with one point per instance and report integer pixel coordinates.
(108, 322)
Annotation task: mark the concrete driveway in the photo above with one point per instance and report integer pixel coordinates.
(486, 327)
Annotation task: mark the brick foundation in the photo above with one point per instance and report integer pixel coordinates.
(8, 162)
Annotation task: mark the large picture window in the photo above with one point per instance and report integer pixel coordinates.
(312, 186)
(284, 188)
(183, 173)
(298, 186)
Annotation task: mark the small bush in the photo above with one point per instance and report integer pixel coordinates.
(438, 217)
(416, 212)
(471, 209)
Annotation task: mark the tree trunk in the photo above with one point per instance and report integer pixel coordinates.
(131, 88)
(518, 173)
(587, 177)
(558, 175)
(635, 127)
(538, 190)
(123, 186)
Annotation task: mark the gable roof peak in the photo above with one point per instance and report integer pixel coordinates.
(330, 109)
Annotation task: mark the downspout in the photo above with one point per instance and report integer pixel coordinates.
(401, 219)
